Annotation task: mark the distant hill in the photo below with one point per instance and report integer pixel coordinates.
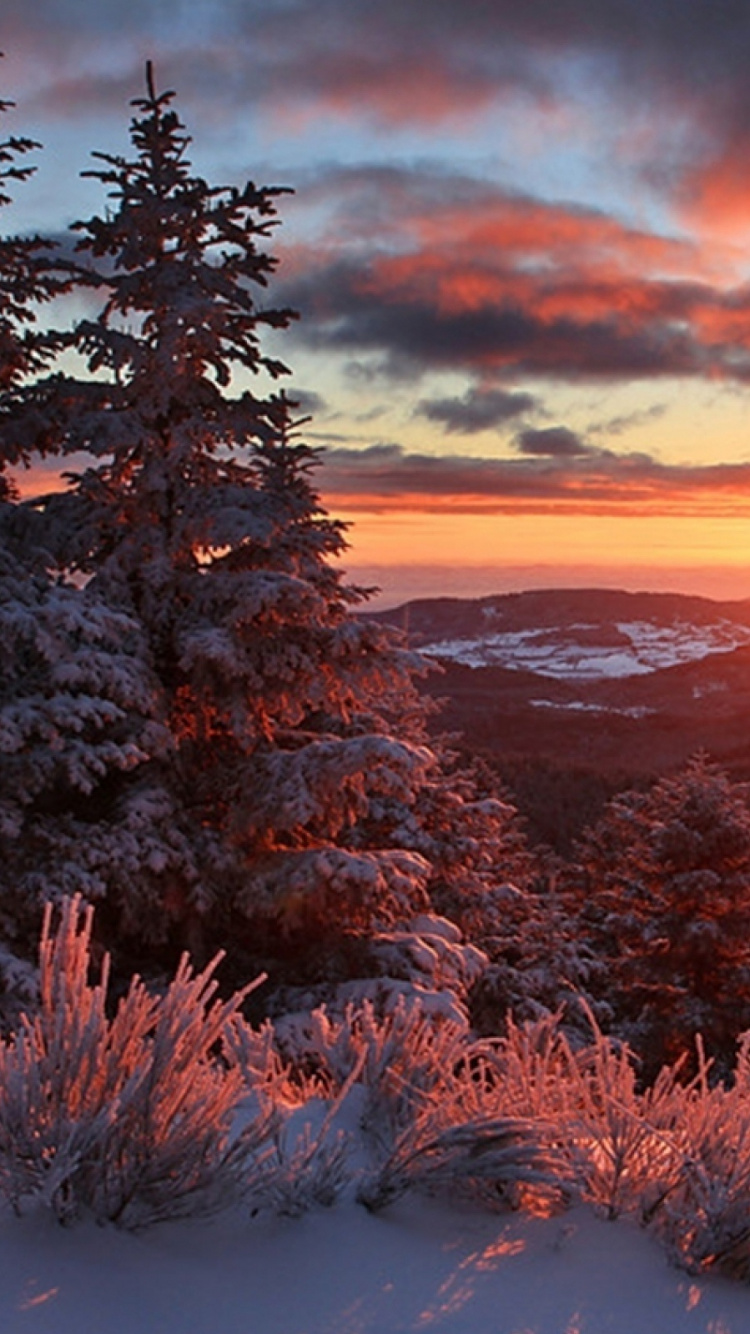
(591, 617)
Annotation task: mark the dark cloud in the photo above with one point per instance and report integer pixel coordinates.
(424, 59)
(328, 54)
(552, 442)
(669, 75)
(385, 476)
(309, 402)
(459, 274)
(347, 307)
(392, 205)
(478, 410)
(417, 270)
(430, 60)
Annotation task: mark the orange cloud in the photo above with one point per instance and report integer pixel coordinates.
(460, 274)
(715, 193)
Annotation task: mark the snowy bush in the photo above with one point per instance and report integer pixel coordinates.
(675, 1155)
(403, 1058)
(705, 1219)
(618, 1139)
(310, 1164)
(420, 1130)
(131, 1117)
(173, 1104)
(492, 1157)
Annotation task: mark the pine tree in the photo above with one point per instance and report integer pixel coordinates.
(665, 898)
(74, 706)
(232, 756)
(279, 720)
(28, 279)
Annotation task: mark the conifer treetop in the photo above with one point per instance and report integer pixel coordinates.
(10, 150)
(184, 261)
(29, 278)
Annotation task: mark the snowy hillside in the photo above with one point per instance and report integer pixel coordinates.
(594, 652)
(575, 634)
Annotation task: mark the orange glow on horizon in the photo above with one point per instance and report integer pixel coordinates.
(466, 541)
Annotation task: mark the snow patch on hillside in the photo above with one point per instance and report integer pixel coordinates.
(594, 652)
(581, 706)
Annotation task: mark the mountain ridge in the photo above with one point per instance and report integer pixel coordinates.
(422, 617)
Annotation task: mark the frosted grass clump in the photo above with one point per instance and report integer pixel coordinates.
(128, 1118)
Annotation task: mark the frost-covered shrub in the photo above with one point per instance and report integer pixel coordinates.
(492, 1158)
(705, 1218)
(619, 1141)
(310, 1163)
(130, 1117)
(410, 1068)
(404, 1057)
(527, 1120)
(526, 1072)
(306, 1170)
(173, 1104)
(675, 1156)
(421, 1123)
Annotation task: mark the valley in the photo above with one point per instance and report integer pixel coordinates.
(572, 695)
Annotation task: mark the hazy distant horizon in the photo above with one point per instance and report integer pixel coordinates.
(405, 583)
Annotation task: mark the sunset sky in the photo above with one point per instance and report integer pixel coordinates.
(519, 245)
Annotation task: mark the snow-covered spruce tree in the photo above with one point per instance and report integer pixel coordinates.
(29, 278)
(290, 720)
(74, 705)
(486, 879)
(664, 894)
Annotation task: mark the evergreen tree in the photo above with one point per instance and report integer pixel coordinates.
(283, 755)
(28, 279)
(665, 898)
(74, 708)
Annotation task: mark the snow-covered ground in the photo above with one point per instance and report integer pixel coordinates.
(583, 651)
(415, 1269)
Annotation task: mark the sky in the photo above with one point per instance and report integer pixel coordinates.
(519, 243)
